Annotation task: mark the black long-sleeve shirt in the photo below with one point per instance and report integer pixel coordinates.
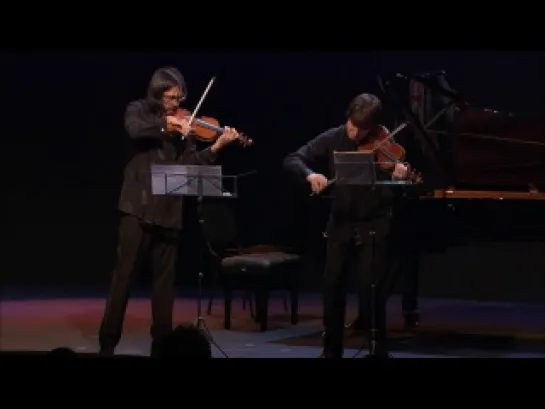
(152, 145)
(352, 206)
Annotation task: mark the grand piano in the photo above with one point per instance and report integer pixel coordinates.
(471, 152)
(484, 183)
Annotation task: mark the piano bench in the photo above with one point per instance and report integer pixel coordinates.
(261, 273)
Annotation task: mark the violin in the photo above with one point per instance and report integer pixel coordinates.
(388, 152)
(207, 129)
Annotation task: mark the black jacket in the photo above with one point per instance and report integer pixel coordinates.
(352, 206)
(152, 145)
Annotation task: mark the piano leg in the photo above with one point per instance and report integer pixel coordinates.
(405, 265)
(409, 301)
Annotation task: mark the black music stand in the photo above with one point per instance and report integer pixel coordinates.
(358, 169)
(200, 182)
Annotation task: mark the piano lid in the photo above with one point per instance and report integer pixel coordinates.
(491, 149)
(484, 152)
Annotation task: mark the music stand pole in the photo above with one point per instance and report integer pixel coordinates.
(180, 180)
(200, 322)
(373, 340)
(373, 310)
(358, 169)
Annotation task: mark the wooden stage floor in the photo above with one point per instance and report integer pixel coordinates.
(450, 328)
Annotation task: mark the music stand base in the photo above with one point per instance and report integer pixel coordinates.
(199, 322)
(373, 341)
(201, 326)
(383, 354)
(377, 358)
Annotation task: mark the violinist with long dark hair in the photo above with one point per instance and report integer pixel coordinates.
(150, 225)
(355, 214)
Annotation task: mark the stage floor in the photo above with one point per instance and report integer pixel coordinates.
(449, 328)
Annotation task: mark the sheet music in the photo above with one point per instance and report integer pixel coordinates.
(187, 180)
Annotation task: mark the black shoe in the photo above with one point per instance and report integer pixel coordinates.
(411, 321)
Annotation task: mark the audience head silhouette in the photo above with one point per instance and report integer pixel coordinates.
(62, 352)
(185, 341)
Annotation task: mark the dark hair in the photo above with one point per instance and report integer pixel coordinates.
(162, 80)
(364, 110)
(62, 352)
(186, 341)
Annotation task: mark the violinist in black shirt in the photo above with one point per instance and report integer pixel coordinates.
(356, 212)
(150, 225)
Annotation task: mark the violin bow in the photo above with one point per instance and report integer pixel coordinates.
(391, 135)
(203, 96)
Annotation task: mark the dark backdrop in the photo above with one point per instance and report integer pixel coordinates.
(63, 151)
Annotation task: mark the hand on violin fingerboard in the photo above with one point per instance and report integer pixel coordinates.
(227, 137)
(401, 171)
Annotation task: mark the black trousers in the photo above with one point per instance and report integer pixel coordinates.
(138, 242)
(365, 254)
